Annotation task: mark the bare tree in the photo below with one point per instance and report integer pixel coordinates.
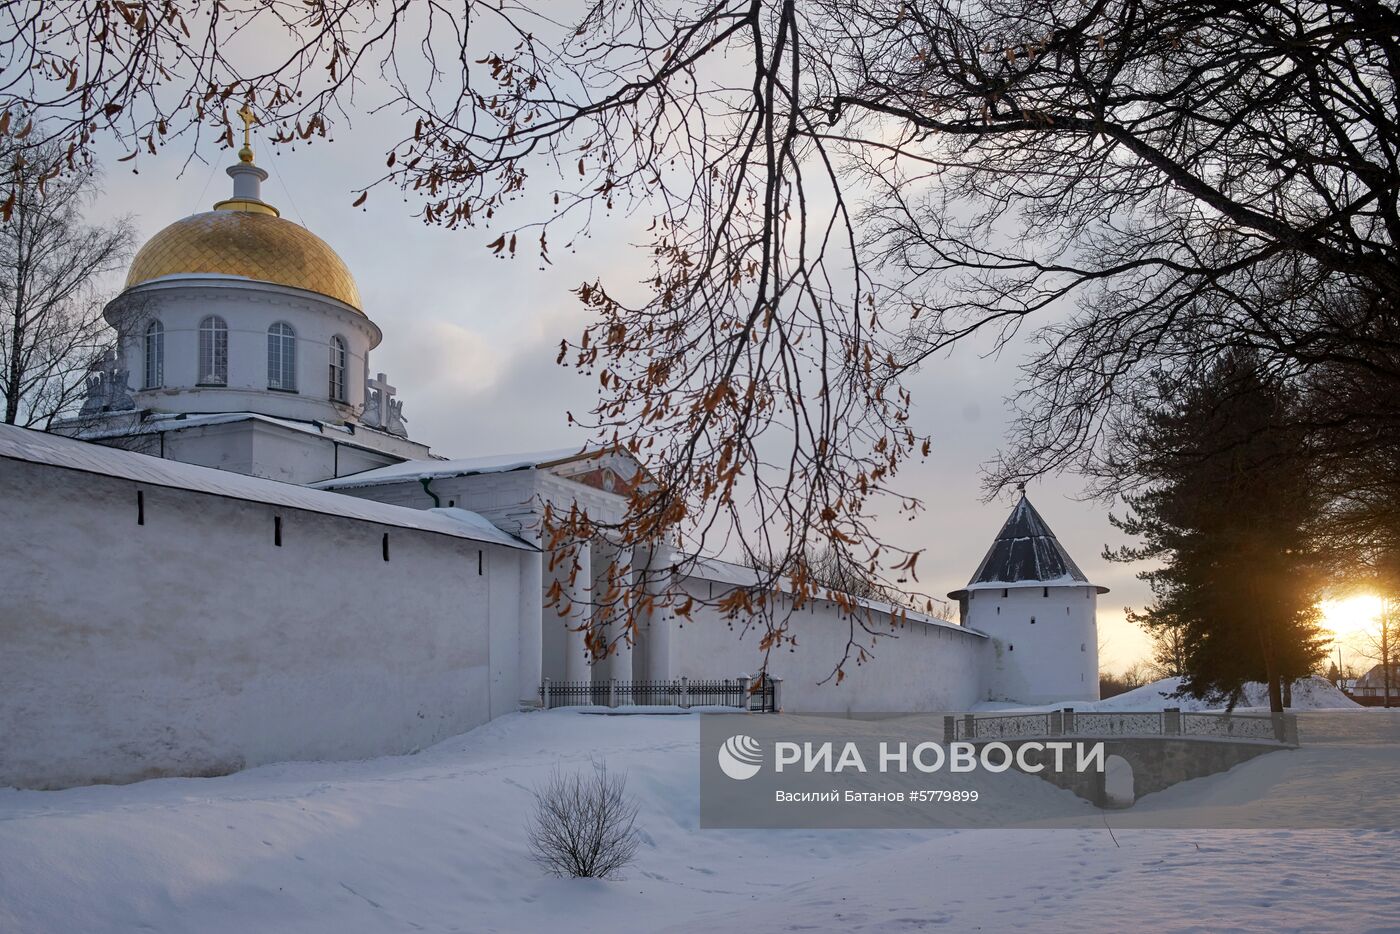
(1130, 679)
(1382, 646)
(584, 825)
(836, 192)
(1169, 642)
(51, 266)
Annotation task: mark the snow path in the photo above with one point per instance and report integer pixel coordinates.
(434, 842)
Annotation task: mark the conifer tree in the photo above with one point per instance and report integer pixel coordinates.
(1228, 503)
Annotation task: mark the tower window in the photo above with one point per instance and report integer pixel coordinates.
(1005, 591)
(213, 351)
(1045, 592)
(155, 355)
(1011, 648)
(1032, 620)
(337, 369)
(282, 357)
(1081, 647)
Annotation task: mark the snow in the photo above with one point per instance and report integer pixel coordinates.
(739, 575)
(1312, 693)
(153, 423)
(416, 470)
(37, 447)
(435, 842)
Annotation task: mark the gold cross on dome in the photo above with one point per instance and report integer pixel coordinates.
(249, 118)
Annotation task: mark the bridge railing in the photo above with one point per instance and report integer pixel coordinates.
(1280, 728)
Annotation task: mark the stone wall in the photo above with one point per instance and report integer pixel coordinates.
(192, 644)
(910, 666)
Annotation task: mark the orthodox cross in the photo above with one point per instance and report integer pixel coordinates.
(383, 393)
(249, 118)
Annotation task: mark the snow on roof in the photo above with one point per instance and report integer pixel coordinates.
(416, 470)
(1026, 554)
(167, 422)
(38, 447)
(727, 572)
(1375, 678)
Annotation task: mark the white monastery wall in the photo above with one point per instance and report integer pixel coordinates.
(194, 645)
(918, 666)
(1044, 644)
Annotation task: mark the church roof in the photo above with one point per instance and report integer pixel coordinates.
(1026, 553)
(247, 245)
(245, 237)
(37, 447)
(417, 470)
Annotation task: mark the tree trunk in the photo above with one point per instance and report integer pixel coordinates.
(1271, 675)
(1387, 650)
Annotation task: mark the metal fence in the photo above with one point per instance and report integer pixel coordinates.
(1282, 728)
(762, 696)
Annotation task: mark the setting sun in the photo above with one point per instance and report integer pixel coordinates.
(1351, 614)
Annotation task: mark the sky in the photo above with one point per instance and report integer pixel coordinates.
(470, 342)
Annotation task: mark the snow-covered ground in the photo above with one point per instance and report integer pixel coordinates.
(1311, 693)
(435, 842)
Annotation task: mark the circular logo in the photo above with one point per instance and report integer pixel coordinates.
(740, 757)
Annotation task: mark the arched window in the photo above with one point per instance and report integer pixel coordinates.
(337, 369)
(282, 357)
(155, 355)
(213, 352)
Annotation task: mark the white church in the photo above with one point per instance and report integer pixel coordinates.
(237, 555)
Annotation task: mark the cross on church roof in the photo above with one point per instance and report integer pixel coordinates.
(245, 113)
(384, 393)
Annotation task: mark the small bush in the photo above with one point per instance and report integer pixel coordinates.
(584, 825)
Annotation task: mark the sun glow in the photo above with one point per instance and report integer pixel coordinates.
(1351, 615)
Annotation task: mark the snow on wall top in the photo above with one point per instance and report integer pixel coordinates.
(416, 470)
(37, 447)
(727, 572)
(1026, 552)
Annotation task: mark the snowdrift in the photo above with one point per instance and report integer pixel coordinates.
(1313, 693)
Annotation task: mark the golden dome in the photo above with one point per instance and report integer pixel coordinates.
(246, 239)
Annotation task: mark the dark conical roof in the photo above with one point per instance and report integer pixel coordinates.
(1027, 552)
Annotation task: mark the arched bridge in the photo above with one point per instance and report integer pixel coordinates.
(1145, 751)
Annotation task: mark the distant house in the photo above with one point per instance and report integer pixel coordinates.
(1369, 689)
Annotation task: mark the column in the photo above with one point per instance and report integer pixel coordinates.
(641, 642)
(612, 575)
(531, 623)
(659, 622)
(576, 595)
